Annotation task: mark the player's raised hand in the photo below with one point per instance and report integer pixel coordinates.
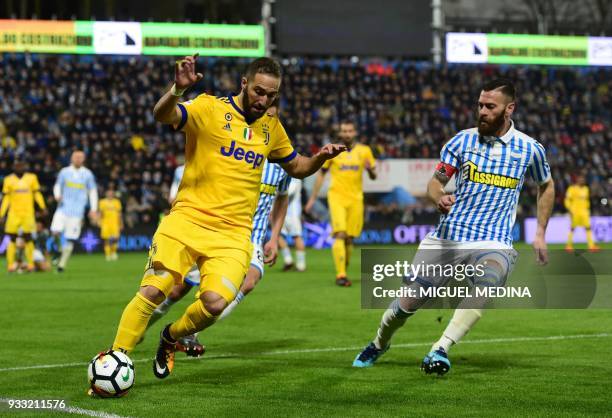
(541, 250)
(185, 75)
(446, 202)
(93, 217)
(330, 151)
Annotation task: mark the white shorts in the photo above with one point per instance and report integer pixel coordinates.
(292, 226)
(39, 257)
(257, 258)
(434, 251)
(67, 225)
(192, 278)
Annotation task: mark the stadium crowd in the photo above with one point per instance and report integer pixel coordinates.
(50, 105)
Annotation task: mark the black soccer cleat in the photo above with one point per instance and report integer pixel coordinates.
(190, 346)
(436, 361)
(163, 363)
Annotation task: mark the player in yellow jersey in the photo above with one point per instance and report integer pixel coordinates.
(345, 196)
(227, 141)
(21, 190)
(577, 202)
(111, 223)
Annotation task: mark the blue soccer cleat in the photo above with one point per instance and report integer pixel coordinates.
(436, 362)
(369, 355)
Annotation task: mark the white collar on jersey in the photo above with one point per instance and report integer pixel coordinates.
(505, 138)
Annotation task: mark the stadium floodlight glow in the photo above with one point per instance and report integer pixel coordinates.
(495, 48)
(131, 38)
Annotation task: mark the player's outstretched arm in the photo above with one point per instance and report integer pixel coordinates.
(545, 202)
(166, 110)
(301, 167)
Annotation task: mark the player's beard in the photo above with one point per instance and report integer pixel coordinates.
(246, 105)
(491, 126)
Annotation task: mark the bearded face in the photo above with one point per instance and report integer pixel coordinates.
(494, 108)
(491, 123)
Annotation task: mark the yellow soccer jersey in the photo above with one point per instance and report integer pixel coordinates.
(347, 171)
(224, 158)
(577, 198)
(20, 194)
(110, 211)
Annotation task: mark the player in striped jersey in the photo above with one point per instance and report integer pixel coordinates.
(273, 198)
(490, 163)
(74, 190)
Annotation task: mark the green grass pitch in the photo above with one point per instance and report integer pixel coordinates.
(287, 351)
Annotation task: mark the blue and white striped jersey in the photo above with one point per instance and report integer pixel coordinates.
(273, 180)
(76, 187)
(490, 176)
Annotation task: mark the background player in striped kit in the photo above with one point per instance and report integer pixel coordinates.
(293, 228)
(490, 163)
(74, 190)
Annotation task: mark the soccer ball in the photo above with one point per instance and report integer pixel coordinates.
(111, 374)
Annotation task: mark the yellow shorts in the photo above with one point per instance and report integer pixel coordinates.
(346, 215)
(581, 219)
(222, 258)
(109, 231)
(17, 222)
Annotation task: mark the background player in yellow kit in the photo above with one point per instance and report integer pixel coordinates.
(577, 202)
(227, 141)
(21, 190)
(345, 196)
(111, 223)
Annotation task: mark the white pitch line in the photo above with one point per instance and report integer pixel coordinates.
(68, 410)
(329, 349)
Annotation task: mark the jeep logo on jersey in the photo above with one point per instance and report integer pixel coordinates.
(240, 154)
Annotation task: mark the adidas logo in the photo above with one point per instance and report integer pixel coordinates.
(227, 127)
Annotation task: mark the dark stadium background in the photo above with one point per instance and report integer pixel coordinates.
(388, 77)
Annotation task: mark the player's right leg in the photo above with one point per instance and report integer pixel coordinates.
(569, 246)
(11, 253)
(58, 223)
(338, 218)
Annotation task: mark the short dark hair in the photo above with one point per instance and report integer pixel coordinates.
(349, 122)
(263, 65)
(504, 84)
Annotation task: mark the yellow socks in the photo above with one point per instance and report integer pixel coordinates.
(133, 323)
(29, 253)
(590, 241)
(11, 251)
(195, 318)
(570, 239)
(339, 254)
(107, 249)
(349, 252)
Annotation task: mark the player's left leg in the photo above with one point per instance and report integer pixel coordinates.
(498, 265)
(354, 226)
(29, 251)
(586, 221)
(222, 274)
(72, 231)
(300, 252)
(253, 276)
